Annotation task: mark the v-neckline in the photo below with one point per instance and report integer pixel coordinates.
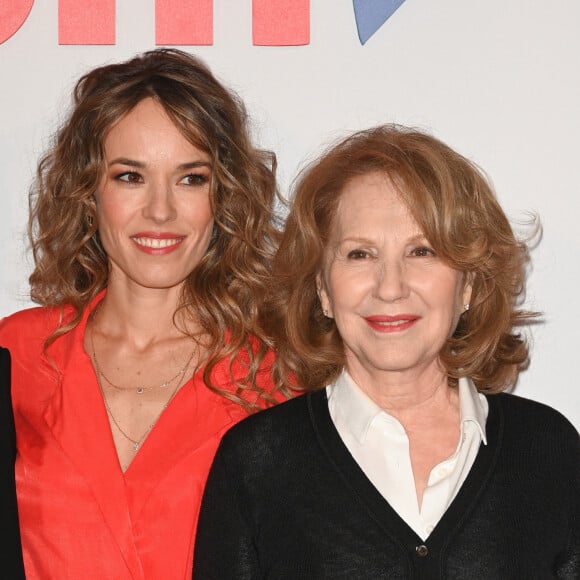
(377, 507)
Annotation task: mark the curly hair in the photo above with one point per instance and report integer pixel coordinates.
(225, 290)
(455, 206)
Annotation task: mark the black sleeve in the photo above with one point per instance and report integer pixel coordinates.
(11, 565)
(224, 547)
(569, 565)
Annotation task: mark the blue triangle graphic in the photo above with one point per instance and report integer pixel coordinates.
(372, 14)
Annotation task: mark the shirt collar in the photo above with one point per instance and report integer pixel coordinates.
(351, 407)
(473, 406)
(356, 411)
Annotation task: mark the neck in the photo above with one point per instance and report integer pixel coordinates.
(407, 394)
(139, 315)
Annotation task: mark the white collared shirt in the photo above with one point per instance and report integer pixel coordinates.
(379, 444)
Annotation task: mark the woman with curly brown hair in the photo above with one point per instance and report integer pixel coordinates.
(152, 230)
(399, 281)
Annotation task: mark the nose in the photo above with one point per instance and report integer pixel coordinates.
(160, 204)
(392, 283)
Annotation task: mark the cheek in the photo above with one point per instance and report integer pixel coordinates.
(109, 210)
(347, 288)
(449, 300)
(199, 213)
(110, 225)
(442, 293)
(205, 217)
(204, 228)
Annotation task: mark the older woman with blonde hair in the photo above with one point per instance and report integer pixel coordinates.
(152, 231)
(397, 303)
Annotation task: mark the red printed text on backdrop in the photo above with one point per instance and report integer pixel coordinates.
(177, 22)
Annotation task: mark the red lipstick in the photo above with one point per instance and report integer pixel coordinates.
(390, 324)
(157, 243)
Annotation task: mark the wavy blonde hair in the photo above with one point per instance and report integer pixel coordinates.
(455, 206)
(225, 290)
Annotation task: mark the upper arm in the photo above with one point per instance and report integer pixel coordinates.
(568, 567)
(224, 545)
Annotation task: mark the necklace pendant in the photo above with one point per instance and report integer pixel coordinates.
(135, 446)
(140, 390)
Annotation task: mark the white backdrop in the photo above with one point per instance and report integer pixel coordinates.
(499, 80)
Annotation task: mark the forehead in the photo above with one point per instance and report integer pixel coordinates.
(148, 128)
(372, 201)
(146, 114)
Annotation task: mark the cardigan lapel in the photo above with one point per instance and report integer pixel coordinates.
(353, 476)
(377, 507)
(476, 482)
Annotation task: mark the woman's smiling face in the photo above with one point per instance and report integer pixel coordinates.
(394, 301)
(153, 205)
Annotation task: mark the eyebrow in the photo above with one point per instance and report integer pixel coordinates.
(355, 239)
(141, 165)
(419, 237)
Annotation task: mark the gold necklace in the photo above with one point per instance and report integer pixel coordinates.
(135, 442)
(140, 389)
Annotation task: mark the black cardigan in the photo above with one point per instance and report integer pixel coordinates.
(11, 566)
(285, 499)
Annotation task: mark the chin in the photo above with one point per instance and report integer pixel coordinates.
(160, 283)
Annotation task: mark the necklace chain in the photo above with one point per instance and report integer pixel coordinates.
(141, 389)
(136, 443)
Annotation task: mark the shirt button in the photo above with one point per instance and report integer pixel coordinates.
(429, 529)
(422, 550)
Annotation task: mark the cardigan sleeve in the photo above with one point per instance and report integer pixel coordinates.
(224, 545)
(568, 567)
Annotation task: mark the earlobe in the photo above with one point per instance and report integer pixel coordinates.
(323, 297)
(467, 290)
(91, 211)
